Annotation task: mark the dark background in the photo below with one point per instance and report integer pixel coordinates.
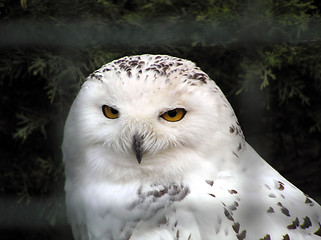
(264, 54)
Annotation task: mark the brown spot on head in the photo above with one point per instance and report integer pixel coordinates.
(97, 76)
(163, 221)
(309, 201)
(211, 195)
(158, 194)
(241, 235)
(232, 191)
(266, 237)
(235, 154)
(270, 210)
(209, 182)
(271, 195)
(281, 185)
(285, 211)
(318, 232)
(232, 207)
(294, 225)
(133, 62)
(199, 76)
(239, 147)
(306, 223)
(173, 192)
(228, 215)
(267, 186)
(236, 227)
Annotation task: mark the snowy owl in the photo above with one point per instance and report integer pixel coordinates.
(153, 150)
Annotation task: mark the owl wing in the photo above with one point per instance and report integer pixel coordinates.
(255, 202)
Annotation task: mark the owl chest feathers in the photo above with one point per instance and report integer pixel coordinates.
(121, 210)
(137, 210)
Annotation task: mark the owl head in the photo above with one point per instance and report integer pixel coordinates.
(148, 116)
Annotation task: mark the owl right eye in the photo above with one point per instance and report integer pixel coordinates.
(110, 112)
(174, 115)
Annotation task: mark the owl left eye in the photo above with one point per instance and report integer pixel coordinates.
(110, 112)
(174, 115)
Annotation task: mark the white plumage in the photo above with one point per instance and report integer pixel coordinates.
(153, 150)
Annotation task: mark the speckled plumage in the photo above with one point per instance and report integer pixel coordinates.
(195, 178)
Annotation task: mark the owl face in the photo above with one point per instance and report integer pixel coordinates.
(143, 111)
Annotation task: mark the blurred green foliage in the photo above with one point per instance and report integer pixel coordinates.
(264, 54)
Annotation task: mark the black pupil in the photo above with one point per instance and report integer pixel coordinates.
(113, 111)
(172, 113)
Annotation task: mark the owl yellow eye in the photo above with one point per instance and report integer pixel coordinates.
(110, 112)
(174, 115)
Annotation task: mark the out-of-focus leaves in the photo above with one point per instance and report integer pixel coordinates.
(263, 54)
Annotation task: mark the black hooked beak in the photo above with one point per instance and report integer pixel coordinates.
(137, 146)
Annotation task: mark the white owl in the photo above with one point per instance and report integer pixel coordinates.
(153, 150)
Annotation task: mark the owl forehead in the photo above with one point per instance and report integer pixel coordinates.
(145, 69)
